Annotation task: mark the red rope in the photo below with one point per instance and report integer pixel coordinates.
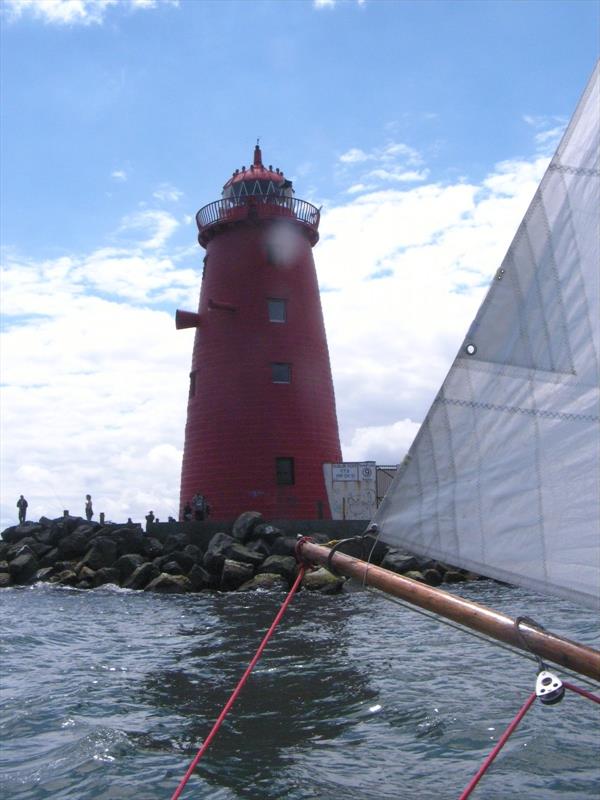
(593, 697)
(238, 688)
(501, 742)
(504, 738)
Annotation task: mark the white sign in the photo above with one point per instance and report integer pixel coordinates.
(344, 472)
(367, 472)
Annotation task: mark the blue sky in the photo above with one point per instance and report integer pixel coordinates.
(422, 128)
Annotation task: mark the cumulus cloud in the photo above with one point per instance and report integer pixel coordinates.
(74, 12)
(320, 4)
(354, 155)
(167, 193)
(548, 131)
(392, 163)
(399, 175)
(385, 440)
(160, 225)
(119, 175)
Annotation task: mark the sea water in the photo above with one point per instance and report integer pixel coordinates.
(107, 695)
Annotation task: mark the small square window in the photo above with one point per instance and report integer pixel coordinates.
(277, 310)
(281, 373)
(284, 471)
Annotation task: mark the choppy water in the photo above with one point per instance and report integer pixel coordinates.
(107, 695)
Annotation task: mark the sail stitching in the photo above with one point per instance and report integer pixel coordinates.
(534, 412)
(540, 496)
(588, 173)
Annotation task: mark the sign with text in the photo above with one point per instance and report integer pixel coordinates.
(344, 472)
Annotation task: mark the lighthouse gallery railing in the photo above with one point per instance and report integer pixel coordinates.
(234, 208)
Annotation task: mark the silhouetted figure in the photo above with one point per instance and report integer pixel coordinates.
(201, 509)
(22, 506)
(149, 518)
(187, 512)
(89, 511)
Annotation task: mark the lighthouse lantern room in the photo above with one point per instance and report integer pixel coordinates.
(261, 418)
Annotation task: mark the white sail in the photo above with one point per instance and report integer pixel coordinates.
(503, 477)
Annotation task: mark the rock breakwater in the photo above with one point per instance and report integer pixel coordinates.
(252, 554)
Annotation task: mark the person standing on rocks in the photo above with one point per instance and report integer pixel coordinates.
(22, 506)
(89, 511)
(201, 507)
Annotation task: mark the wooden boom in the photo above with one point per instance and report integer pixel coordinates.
(564, 652)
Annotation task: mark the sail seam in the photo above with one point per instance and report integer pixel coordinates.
(534, 412)
(588, 173)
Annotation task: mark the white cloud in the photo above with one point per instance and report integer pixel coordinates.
(319, 4)
(119, 175)
(390, 442)
(159, 224)
(167, 193)
(547, 141)
(394, 162)
(354, 155)
(549, 131)
(399, 175)
(74, 12)
(359, 187)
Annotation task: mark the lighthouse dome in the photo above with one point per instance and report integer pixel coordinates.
(257, 180)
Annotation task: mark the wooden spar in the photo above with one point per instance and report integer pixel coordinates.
(548, 646)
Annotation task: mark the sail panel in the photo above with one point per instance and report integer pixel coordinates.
(503, 477)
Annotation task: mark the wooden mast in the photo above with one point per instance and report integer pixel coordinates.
(563, 652)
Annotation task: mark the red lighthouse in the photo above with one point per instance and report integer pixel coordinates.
(261, 417)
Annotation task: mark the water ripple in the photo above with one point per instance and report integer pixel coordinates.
(107, 696)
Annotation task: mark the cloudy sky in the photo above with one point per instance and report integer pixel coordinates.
(422, 128)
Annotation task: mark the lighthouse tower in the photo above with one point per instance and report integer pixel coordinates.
(261, 417)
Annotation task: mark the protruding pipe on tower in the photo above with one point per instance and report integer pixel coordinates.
(186, 319)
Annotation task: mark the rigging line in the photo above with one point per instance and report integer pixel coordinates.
(499, 745)
(234, 695)
(515, 651)
(510, 730)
